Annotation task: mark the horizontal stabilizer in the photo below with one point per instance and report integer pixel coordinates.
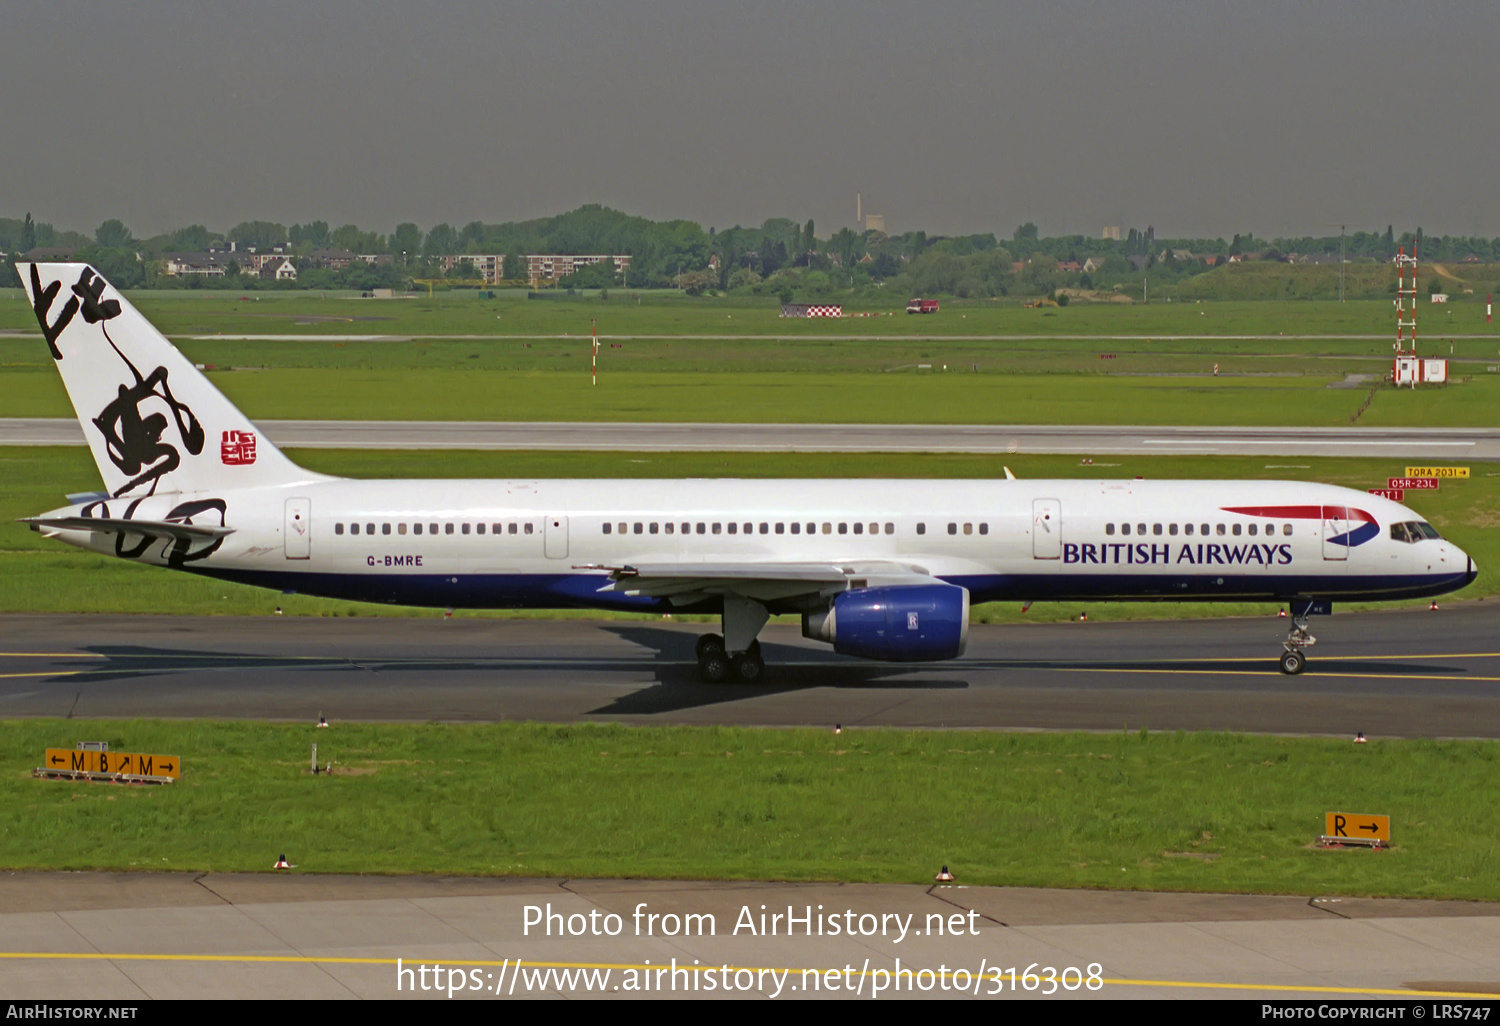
(118, 525)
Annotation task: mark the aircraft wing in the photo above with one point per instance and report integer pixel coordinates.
(761, 581)
(119, 525)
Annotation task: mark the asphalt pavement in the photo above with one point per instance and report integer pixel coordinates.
(1397, 673)
(1440, 444)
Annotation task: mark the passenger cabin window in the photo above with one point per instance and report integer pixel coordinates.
(1172, 529)
(984, 528)
(952, 528)
(921, 528)
(465, 529)
(1236, 530)
(400, 528)
(528, 529)
(1109, 528)
(1124, 528)
(338, 528)
(1156, 529)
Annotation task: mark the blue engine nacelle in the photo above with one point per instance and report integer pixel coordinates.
(908, 624)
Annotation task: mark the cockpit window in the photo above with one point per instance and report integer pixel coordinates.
(1413, 531)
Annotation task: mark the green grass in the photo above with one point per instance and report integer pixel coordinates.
(674, 315)
(956, 397)
(37, 575)
(1202, 812)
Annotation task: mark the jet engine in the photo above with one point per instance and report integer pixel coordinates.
(902, 624)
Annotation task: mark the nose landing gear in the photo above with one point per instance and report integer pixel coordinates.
(1294, 660)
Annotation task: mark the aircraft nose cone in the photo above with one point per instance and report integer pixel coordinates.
(1472, 572)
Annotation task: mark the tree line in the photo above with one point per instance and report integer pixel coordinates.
(782, 256)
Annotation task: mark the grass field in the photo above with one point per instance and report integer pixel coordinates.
(1203, 812)
(671, 314)
(1027, 388)
(41, 576)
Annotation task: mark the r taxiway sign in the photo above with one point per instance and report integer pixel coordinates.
(1337, 825)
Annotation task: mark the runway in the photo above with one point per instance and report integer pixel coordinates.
(1441, 444)
(1407, 673)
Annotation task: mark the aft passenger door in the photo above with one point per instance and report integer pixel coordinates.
(297, 531)
(556, 541)
(1046, 529)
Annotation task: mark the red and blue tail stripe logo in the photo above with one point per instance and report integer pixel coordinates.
(1342, 525)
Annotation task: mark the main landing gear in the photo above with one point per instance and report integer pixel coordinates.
(1294, 660)
(736, 654)
(715, 665)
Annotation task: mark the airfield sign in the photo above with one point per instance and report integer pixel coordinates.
(1348, 826)
(130, 763)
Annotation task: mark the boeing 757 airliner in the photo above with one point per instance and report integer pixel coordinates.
(877, 568)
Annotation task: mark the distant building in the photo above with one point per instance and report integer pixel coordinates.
(550, 268)
(1092, 264)
(875, 222)
(489, 266)
(1111, 232)
(48, 255)
(375, 259)
(279, 269)
(208, 265)
(333, 259)
(1139, 261)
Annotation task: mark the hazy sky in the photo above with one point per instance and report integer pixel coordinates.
(1199, 118)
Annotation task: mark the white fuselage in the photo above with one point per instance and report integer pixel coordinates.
(548, 544)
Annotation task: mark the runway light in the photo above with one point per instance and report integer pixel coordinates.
(1433, 607)
(322, 721)
(281, 863)
(1359, 737)
(944, 876)
(838, 728)
(278, 610)
(1281, 613)
(1083, 617)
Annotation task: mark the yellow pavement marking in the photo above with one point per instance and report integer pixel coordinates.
(1464, 677)
(627, 966)
(49, 673)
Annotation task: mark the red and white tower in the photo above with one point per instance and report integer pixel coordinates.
(1407, 371)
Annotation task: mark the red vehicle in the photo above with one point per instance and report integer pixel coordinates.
(921, 306)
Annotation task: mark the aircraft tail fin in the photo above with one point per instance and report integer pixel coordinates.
(155, 424)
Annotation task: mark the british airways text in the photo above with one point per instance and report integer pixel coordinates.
(1204, 553)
